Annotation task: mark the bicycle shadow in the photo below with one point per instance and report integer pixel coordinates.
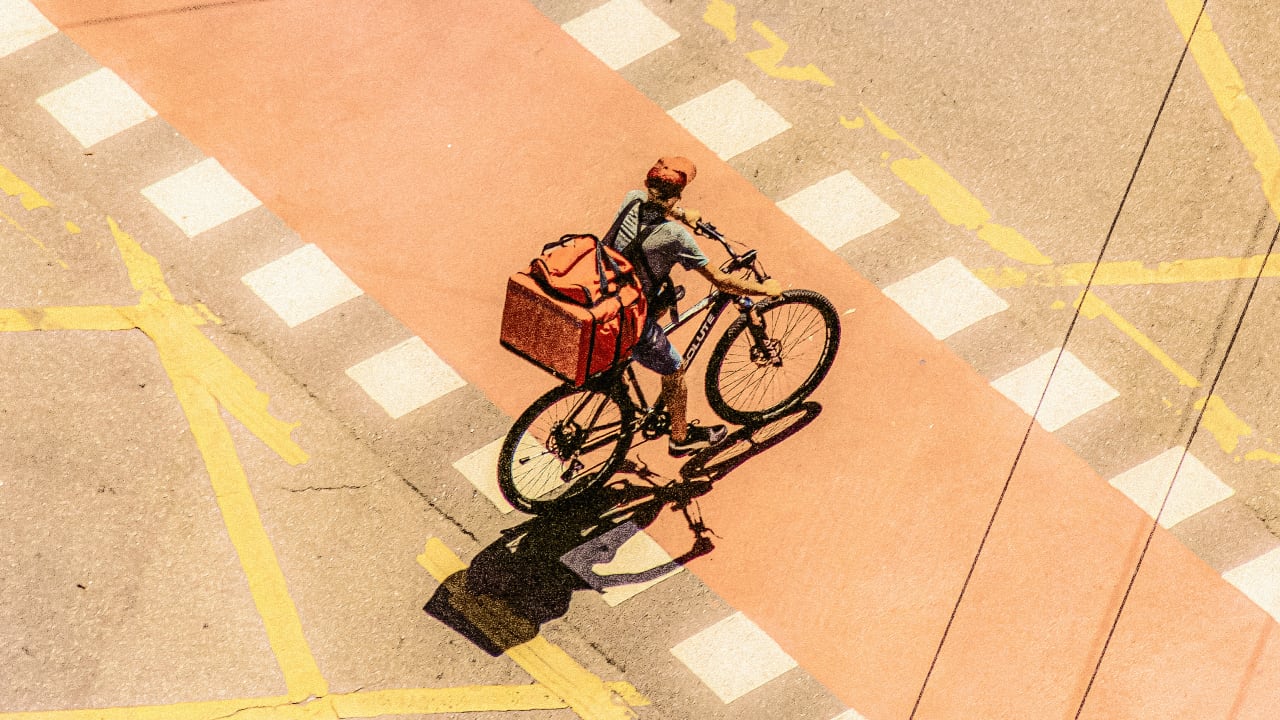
(528, 576)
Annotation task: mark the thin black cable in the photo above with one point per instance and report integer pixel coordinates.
(157, 13)
(1155, 522)
(1075, 317)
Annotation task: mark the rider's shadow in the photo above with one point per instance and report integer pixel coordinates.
(528, 576)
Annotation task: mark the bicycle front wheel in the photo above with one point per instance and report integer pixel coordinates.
(570, 440)
(773, 357)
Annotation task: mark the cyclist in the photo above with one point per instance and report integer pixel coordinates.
(663, 244)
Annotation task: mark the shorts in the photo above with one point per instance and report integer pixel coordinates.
(654, 350)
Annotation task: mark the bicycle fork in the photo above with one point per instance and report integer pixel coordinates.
(763, 350)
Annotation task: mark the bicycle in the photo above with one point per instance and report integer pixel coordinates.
(573, 438)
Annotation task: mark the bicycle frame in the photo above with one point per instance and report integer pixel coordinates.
(714, 305)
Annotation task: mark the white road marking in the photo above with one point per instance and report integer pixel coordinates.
(302, 285)
(730, 119)
(405, 377)
(21, 25)
(201, 197)
(1259, 579)
(733, 657)
(621, 563)
(480, 468)
(1075, 389)
(838, 210)
(620, 32)
(946, 298)
(1195, 489)
(96, 107)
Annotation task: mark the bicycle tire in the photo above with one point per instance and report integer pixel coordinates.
(795, 338)
(542, 437)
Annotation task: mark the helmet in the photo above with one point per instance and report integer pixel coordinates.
(671, 174)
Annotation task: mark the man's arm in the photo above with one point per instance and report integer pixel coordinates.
(739, 286)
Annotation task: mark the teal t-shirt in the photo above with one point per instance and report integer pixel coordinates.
(669, 244)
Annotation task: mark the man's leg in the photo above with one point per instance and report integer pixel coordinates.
(676, 396)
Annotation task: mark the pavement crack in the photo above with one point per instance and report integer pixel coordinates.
(249, 710)
(317, 488)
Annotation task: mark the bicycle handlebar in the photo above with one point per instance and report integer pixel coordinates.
(743, 261)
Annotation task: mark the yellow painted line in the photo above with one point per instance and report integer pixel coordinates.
(1228, 90)
(722, 16)
(1132, 272)
(359, 704)
(28, 235)
(178, 711)
(1219, 419)
(587, 695)
(173, 328)
(1227, 427)
(494, 698)
(950, 199)
(248, 536)
(14, 186)
(202, 377)
(1092, 307)
(769, 60)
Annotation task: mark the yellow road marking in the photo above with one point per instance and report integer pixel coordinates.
(360, 704)
(950, 199)
(14, 186)
(178, 711)
(1227, 427)
(203, 377)
(722, 16)
(769, 59)
(1229, 92)
(1091, 307)
(1133, 272)
(957, 206)
(589, 696)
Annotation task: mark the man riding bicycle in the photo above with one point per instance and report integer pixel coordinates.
(663, 244)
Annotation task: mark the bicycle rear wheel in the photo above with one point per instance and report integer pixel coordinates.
(570, 440)
(761, 371)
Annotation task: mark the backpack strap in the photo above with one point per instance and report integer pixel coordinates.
(635, 253)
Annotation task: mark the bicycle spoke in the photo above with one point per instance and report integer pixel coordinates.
(565, 444)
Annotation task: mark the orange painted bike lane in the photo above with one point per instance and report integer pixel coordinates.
(429, 148)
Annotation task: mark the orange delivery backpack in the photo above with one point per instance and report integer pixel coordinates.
(577, 310)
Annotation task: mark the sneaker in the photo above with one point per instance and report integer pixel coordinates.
(697, 438)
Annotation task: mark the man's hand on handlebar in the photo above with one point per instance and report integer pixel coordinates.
(687, 216)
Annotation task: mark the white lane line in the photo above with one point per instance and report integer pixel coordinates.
(96, 107)
(838, 210)
(621, 563)
(480, 468)
(21, 24)
(1195, 489)
(849, 715)
(946, 298)
(201, 197)
(730, 119)
(1075, 389)
(620, 32)
(733, 657)
(302, 285)
(405, 377)
(1259, 579)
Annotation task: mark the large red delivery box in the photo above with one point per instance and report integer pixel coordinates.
(560, 316)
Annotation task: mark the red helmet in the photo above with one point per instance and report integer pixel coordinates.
(673, 172)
